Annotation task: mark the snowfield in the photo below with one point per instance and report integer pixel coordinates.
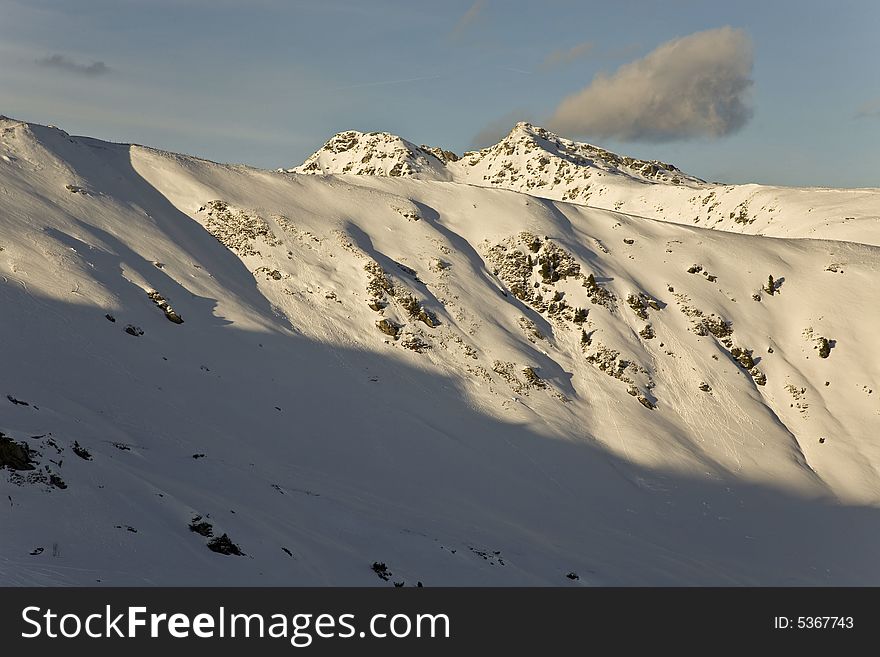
(459, 369)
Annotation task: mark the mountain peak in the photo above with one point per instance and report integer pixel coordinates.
(376, 154)
(523, 126)
(531, 138)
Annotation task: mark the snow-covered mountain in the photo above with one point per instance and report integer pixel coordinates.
(377, 154)
(369, 379)
(537, 162)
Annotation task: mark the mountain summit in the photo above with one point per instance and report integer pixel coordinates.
(531, 158)
(376, 154)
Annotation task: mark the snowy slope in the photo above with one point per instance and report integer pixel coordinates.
(537, 162)
(470, 385)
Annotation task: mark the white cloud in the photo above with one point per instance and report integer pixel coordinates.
(695, 86)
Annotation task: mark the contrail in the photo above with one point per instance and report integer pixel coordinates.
(382, 83)
(516, 70)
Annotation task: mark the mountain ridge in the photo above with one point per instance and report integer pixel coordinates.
(535, 161)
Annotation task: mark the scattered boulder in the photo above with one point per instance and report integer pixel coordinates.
(647, 403)
(381, 570)
(717, 326)
(224, 545)
(15, 456)
(270, 274)
(533, 379)
(201, 527)
(743, 357)
(638, 305)
(163, 305)
(388, 327)
(81, 451)
(56, 481)
(415, 310)
(415, 343)
(824, 346)
(378, 283)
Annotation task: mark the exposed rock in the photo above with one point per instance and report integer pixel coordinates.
(223, 545)
(381, 571)
(415, 343)
(15, 456)
(388, 327)
(236, 229)
(162, 303)
(532, 378)
(201, 527)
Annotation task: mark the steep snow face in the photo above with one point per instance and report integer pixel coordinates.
(537, 162)
(470, 385)
(376, 154)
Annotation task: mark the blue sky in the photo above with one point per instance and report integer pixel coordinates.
(266, 82)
